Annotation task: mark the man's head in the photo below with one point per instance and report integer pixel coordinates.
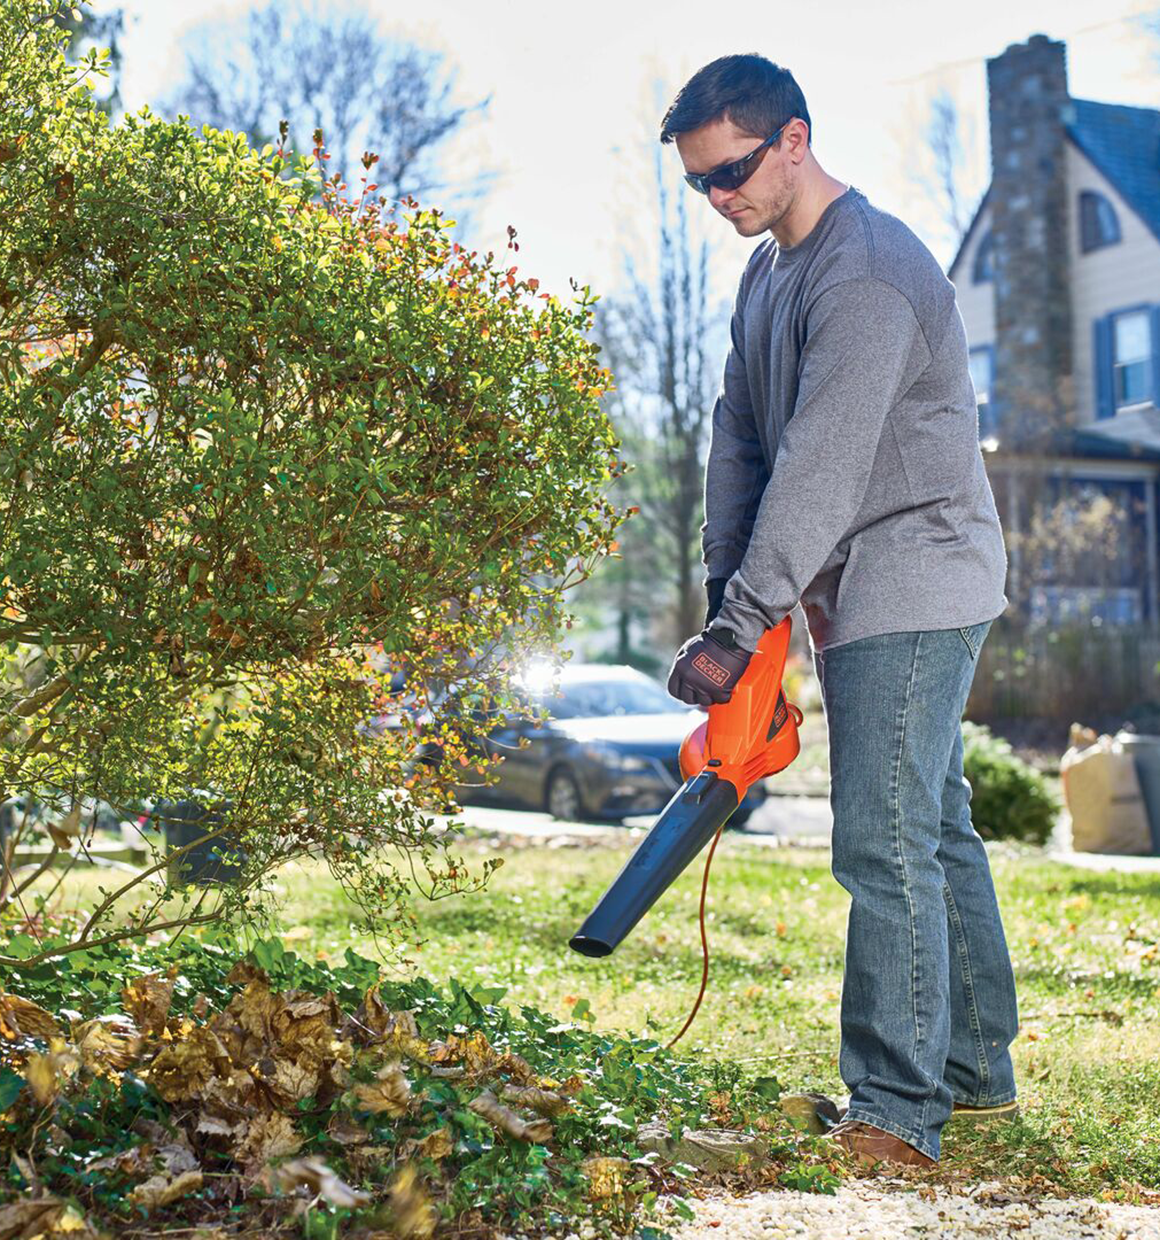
(725, 111)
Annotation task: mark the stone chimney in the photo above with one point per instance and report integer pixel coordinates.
(1029, 105)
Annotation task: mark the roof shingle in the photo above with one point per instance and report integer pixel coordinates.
(1124, 144)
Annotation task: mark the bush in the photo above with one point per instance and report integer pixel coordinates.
(1010, 800)
(261, 445)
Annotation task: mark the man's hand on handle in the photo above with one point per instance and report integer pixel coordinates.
(707, 668)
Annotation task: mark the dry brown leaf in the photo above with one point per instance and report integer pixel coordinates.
(257, 1009)
(134, 1162)
(43, 1078)
(234, 1098)
(108, 1044)
(43, 1218)
(68, 829)
(396, 1032)
(182, 1071)
(573, 1085)
(542, 1101)
(301, 1003)
(438, 1144)
(476, 1054)
(516, 1066)
(506, 1120)
(244, 972)
(177, 1157)
(346, 1131)
(389, 1094)
(414, 1216)
(28, 1218)
(160, 1190)
(218, 1126)
(292, 1081)
(148, 998)
(605, 1176)
(20, 1018)
(269, 1136)
(318, 1177)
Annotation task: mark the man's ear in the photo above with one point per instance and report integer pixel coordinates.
(797, 134)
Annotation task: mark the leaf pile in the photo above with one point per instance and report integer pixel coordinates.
(413, 1109)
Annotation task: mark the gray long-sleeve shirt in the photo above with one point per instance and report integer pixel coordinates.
(844, 465)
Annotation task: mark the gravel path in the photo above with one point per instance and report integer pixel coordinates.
(868, 1209)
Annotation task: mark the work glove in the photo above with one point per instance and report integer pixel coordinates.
(707, 668)
(715, 588)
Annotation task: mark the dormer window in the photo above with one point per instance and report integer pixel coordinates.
(1099, 225)
(984, 265)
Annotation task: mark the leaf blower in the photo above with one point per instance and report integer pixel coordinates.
(752, 735)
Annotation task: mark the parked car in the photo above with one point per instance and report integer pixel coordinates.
(610, 750)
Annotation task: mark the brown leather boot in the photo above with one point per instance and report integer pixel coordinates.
(871, 1145)
(985, 1115)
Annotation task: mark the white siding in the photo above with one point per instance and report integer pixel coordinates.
(1107, 279)
(976, 301)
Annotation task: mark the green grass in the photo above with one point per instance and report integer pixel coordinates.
(1084, 946)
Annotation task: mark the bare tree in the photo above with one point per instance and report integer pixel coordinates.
(331, 69)
(946, 148)
(943, 166)
(658, 336)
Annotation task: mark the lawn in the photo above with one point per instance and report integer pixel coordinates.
(1085, 947)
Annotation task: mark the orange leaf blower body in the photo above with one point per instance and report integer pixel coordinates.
(753, 735)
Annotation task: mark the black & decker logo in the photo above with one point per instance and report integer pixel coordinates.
(709, 669)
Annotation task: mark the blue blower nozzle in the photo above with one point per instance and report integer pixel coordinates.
(686, 825)
(750, 736)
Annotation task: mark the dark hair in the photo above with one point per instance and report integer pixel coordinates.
(751, 91)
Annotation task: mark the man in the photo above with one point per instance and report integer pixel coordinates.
(845, 473)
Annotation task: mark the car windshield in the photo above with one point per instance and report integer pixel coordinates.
(591, 698)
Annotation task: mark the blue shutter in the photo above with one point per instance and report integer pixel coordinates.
(1105, 401)
(1155, 319)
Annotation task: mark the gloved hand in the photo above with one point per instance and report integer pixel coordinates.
(715, 589)
(707, 668)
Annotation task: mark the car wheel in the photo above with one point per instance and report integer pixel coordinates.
(562, 797)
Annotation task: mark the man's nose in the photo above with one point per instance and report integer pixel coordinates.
(721, 198)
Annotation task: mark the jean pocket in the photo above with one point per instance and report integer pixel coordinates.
(973, 636)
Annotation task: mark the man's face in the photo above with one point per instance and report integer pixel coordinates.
(762, 200)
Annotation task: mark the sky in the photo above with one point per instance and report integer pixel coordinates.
(577, 93)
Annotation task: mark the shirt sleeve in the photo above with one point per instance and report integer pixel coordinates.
(864, 347)
(735, 473)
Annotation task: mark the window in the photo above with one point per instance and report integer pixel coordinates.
(982, 365)
(984, 266)
(1127, 359)
(1098, 223)
(1131, 358)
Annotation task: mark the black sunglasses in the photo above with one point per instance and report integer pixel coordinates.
(730, 176)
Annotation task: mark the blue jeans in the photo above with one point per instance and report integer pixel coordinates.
(928, 998)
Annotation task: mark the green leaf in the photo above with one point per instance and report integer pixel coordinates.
(23, 947)
(11, 1083)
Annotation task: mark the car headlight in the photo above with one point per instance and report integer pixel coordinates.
(613, 758)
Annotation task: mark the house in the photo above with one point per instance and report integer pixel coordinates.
(1058, 282)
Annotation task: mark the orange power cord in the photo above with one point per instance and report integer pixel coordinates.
(797, 717)
(704, 940)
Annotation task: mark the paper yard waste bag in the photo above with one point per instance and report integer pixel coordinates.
(1102, 792)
